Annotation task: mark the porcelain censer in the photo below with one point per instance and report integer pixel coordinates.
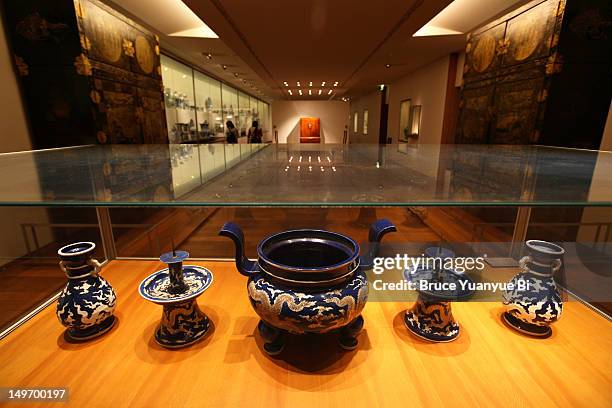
(531, 311)
(307, 281)
(87, 303)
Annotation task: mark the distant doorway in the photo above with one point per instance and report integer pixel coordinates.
(310, 130)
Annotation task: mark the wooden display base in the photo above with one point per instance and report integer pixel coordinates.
(488, 365)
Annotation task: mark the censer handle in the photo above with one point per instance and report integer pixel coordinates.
(377, 231)
(245, 266)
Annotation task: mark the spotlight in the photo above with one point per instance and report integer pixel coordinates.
(387, 65)
(224, 66)
(330, 92)
(208, 56)
(300, 91)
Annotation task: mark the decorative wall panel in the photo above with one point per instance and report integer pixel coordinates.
(89, 74)
(548, 80)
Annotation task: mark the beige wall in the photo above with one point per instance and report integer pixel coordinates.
(14, 134)
(286, 117)
(600, 188)
(426, 87)
(371, 103)
(606, 141)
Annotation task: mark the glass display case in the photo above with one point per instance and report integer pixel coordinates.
(456, 202)
(179, 100)
(198, 106)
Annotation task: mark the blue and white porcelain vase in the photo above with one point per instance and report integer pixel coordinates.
(87, 303)
(307, 281)
(534, 303)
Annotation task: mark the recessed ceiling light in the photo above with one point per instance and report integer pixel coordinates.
(320, 90)
(310, 92)
(323, 83)
(208, 55)
(461, 16)
(388, 66)
(336, 83)
(224, 66)
(176, 10)
(285, 83)
(236, 74)
(290, 93)
(330, 92)
(300, 91)
(310, 83)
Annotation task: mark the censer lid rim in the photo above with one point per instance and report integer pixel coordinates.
(350, 258)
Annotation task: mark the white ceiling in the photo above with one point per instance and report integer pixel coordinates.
(272, 41)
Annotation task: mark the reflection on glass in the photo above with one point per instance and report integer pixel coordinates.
(368, 175)
(29, 270)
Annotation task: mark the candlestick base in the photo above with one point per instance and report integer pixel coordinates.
(182, 325)
(182, 322)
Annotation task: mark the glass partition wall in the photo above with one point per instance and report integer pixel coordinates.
(198, 106)
(208, 106)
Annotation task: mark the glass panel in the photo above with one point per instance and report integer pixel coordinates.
(265, 121)
(29, 270)
(244, 115)
(356, 122)
(179, 100)
(208, 102)
(360, 175)
(230, 104)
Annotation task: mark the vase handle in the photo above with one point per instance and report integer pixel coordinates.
(245, 266)
(378, 230)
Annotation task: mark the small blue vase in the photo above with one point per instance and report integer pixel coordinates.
(87, 303)
(533, 309)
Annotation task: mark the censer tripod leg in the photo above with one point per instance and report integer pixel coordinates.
(348, 334)
(273, 337)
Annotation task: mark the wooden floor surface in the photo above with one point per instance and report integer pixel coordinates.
(488, 365)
